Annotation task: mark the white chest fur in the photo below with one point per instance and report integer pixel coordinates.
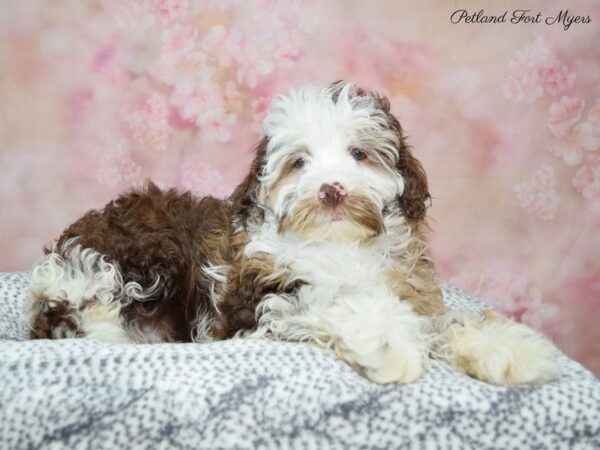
(327, 265)
(348, 307)
(345, 304)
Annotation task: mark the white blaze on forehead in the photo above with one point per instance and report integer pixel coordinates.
(322, 125)
(308, 118)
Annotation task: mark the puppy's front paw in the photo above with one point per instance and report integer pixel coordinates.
(399, 365)
(501, 351)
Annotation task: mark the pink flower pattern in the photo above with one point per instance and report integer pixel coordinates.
(557, 78)
(179, 39)
(535, 70)
(135, 15)
(253, 66)
(538, 196)
(594, 114)
(513, 294)
(117, 168)
(587, 183)
(564, 114)
(567, 148)
(169, 10)
(587, 136)
(150, 124)
(258, 110)
(518, 298)
(183, 72)
(203, 179)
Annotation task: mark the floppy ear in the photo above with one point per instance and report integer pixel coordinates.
(245, 196)
(415, 199)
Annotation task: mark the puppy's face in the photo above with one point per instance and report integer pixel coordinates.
(333, 161)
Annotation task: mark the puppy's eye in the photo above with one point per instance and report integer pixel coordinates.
(358, 154)
(299, 163)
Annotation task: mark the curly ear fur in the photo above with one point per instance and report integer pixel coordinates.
(244, 197)
(416, 198)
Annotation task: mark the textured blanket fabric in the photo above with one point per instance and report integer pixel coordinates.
(255, 394)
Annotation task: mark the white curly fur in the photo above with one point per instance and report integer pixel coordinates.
(85, 275)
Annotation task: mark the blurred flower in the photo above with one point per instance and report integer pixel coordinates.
(587, 183)
(185, 72)
(208, 109)
(535, 70)
(218, 127)
(557, 78)
(587, 136)
(531, 57)
(538, 196)
(232, 96)
(203, 179)
(594, 114)
(513, 90)
(514, 295)
(524, 82)
(530, 84)
(525, 88)
(258, 109)
(564, 114)
(116, 168)
(171, 9)
(150, 124)
(253, 66)
(135, 15)
(179, 39)
(219, 45)
(567, 148)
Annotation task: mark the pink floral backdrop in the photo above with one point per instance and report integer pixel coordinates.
(97, 96)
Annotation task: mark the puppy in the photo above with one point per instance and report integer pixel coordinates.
(322, 242)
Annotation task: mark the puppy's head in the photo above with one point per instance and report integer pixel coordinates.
(331, 163)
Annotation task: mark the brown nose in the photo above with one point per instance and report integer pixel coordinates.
(332, 194)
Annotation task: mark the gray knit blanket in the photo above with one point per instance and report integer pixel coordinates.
(85, 394)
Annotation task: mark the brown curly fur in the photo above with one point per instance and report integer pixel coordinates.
(54, 320)
(248, 281)
(151, 233)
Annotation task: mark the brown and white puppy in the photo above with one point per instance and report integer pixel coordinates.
(322, 242)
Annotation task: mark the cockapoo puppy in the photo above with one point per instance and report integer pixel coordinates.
(322, 242)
